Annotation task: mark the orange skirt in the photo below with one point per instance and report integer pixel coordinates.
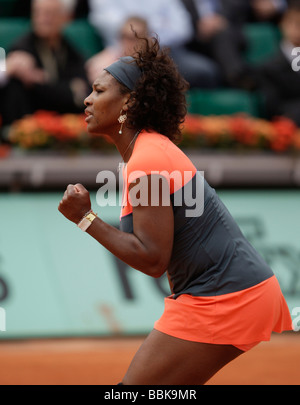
(242, 319)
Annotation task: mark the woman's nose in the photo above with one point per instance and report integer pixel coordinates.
(88, 100)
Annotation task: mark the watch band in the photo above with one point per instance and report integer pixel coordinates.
(87, 221)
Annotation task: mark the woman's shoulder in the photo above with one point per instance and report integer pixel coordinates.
(156, 143)
(156, 152)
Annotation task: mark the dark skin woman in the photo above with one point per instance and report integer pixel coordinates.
(154, 108)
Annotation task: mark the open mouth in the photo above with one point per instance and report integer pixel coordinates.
(88, 115)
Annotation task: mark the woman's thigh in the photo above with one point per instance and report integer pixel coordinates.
(165, 360)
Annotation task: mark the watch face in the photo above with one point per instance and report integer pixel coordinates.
(91, 217)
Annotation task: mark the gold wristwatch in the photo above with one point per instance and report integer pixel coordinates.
(87, 221)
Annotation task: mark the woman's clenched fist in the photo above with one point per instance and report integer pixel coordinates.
(75, 202)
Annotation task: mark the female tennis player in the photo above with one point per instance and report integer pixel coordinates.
(224, 298)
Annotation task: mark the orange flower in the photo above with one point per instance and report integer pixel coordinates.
(285, 130)
(192, 125)
(264, 129)
(71, 126)
(243, 131)
(296, 140)
(4, 151)
(216, 128)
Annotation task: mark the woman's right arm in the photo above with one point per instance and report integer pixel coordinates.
(148, 249)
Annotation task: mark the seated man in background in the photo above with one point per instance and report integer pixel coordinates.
(170, 20)
(245, 11)
(218, 33)
(126, 46)
(267, 10)
(43, 71)
(221, 39)
(22, 8)
(280, 75)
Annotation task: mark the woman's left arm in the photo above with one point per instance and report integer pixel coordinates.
(148, 249)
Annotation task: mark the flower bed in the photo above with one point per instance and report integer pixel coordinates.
(237, 132)
(241, 132)
(49, 130)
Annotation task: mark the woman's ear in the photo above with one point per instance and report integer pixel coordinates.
(129, 102)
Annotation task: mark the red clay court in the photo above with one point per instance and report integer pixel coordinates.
(103, 361)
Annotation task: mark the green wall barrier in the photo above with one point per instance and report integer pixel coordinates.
(56, 281)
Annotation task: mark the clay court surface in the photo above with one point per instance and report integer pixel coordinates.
(99, 361)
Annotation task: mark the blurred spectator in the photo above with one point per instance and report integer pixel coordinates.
(218, 36)
(126, 45)
(168, 19)
(280, 79)
(267, 10)
(22, 8)
(43, 69)
(243, 11)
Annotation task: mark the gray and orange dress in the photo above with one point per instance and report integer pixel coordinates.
(223, 292)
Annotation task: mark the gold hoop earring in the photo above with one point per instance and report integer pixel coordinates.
(121, 120)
